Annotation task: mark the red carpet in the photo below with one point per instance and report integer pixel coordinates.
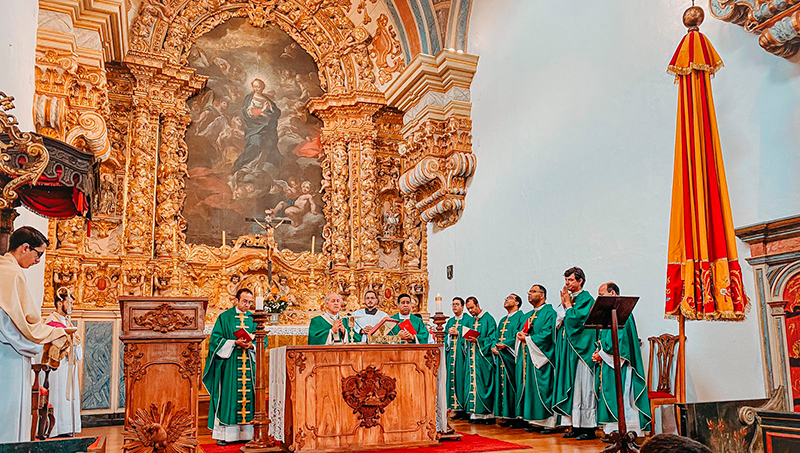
(469, 443)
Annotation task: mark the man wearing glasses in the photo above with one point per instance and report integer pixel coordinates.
(22, 332)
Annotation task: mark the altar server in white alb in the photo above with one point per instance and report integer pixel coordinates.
(65, 394)
(22, 332)
(368, 317)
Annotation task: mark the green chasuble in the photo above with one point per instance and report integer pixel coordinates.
(575, 343)
(319, 331)
(229, 381)
(535, 385)
(631, 359)
(455, 353)
(505, 397)
(480, 375)
(417, 323)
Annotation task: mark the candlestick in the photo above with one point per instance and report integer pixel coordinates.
(223, 238)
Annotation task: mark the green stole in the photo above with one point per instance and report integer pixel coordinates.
(535, 385)
(480, 377)
(320, 328)
(456, 360)
(631, 356)
(417, 323)
(505, 364)
(574, 343)
(229, 382)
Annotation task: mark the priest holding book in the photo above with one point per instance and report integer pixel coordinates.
(411, 328)
(480, 363)
(456, 359)
(330, 327)
(229, 372)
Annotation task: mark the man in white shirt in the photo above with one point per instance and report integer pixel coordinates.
(368, 317)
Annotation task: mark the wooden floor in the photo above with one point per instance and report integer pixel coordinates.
(551, 443)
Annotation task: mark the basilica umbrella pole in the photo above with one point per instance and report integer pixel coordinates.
(704, 280)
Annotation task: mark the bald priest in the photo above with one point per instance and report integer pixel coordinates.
(331, 327)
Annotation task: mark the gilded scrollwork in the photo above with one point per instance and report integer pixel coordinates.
(138, 245)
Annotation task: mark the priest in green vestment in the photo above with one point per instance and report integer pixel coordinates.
(229, 373)
(331, 327)
(480, 362)
(405, 305)
(575, 391)
(634, 383)
(455, 350)
(505, 357)
(535, 357)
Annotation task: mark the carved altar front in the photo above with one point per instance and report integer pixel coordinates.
(338, 398)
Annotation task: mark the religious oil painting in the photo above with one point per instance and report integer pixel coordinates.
(254, 149)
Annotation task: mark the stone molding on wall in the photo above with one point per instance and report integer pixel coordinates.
(776, 21)
(775, 258)
(437, 148)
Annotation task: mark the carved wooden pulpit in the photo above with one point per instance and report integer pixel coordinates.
(162, 372)
(339, 398)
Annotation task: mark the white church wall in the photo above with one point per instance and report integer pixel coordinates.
(18, 56)
(574, 128)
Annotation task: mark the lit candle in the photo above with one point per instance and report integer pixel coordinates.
(313, 243)
(223, 238)
(438, 303)
(259, 303)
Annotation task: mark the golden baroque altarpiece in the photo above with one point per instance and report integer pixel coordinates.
(134, 115)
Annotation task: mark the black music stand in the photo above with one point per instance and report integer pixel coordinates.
(612, 312)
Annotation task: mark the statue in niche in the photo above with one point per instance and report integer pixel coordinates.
(233, 286)
(108, 195)
(284, 292)
(391, 220)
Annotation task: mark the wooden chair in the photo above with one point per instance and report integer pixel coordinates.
(663, 352)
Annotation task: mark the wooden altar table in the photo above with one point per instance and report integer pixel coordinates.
(340, 398)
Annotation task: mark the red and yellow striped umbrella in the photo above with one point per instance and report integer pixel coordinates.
(704, 280)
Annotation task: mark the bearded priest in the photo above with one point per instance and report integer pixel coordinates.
(456, 359)
(535, 358)
(480, 364)
(330, 327)
(505, 356)
(420, 331)
(634, 383)
(229, 372)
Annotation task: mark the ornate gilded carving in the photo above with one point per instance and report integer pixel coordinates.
(163, 319)
(437, 151)
(386, 51)
(28, 144)
(138, 246)
(162, 430)
(368, 393)
(776, 21)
